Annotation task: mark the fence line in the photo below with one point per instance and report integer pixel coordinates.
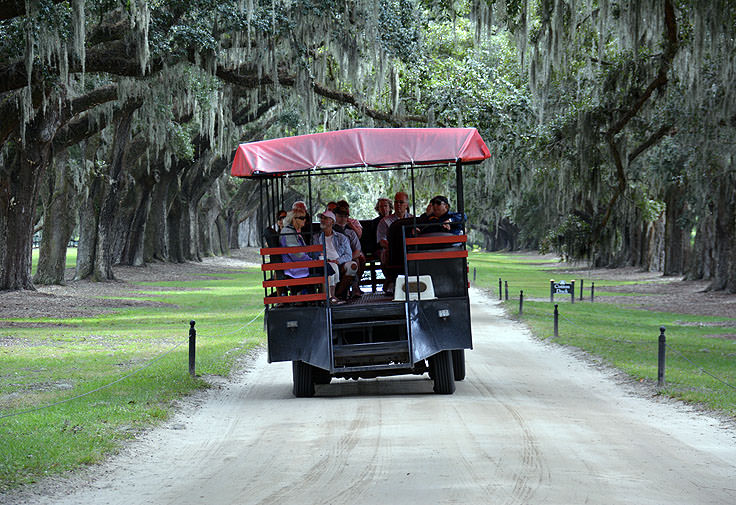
(637, 344)
(706, 372)
(120, 379)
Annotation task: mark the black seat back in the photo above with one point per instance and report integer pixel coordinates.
(368, 239)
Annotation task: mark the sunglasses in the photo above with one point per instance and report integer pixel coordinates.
(303, 218)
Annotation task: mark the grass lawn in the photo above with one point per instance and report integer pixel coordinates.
(63, 358)
(71, 258)
(626, 338)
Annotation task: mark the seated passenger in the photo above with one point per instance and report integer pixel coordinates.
(307, 229)
(342, 216)
(401, 210)
(442, 220)
(272, 237)
(272, 232)
(384, 207)
(353, 223)
(339, 254)
(290, 236)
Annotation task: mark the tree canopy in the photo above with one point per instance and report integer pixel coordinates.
(610, 121)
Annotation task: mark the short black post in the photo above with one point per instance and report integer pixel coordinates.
(473, 275)
(557, 323)
(506, 286)
(572, 291)
(521, 302)
(581, 290)
(661, 358)
(551, 291)
(500, 290)
(192, 347)
(592, 291)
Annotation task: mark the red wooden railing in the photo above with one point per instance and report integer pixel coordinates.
(288, 282)
(436, 255)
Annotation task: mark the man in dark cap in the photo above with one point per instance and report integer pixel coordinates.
(442, 220)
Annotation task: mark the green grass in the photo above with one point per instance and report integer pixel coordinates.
(71, 258)
(626, 338)
(43, 365)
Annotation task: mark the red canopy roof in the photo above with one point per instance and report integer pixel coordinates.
(359, 147)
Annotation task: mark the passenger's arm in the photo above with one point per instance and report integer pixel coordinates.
(293, 241)
(356, 227)
(381, 232)
(344, 250)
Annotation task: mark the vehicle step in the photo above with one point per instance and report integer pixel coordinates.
(369, 312)
(371, 368)
(372, 323)
(370, 349)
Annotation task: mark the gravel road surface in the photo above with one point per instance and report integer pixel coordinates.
(531, 424)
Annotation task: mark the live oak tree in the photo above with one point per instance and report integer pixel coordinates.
(111, 73)
(634, 105)
(609, 122)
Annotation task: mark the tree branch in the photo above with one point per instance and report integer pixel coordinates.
(671, 47)
(342, 97)
(652, 140)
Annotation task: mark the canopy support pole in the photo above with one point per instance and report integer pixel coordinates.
(413, 195)
(311, 215)
(459, 189)
(261, 226)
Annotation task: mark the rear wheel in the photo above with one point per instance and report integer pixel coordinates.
(458, 364)
(444, 377)
(303, 379)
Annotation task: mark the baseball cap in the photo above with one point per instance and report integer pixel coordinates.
(327, 213)
(440, 199)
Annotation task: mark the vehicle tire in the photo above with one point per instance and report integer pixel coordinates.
(321, 376)
(444, 377)
(458, 364)
(303, 379)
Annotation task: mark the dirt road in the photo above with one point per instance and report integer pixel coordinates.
(531, 424)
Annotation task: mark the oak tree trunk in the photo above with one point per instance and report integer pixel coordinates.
(104, 257)
(21, 172)
(89, 217)
(59, 219)
(157, 225)
(725, 225)
(674, 236)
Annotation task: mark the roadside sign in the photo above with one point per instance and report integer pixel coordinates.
(561, 288)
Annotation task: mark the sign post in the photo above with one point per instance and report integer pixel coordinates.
(561, 288)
